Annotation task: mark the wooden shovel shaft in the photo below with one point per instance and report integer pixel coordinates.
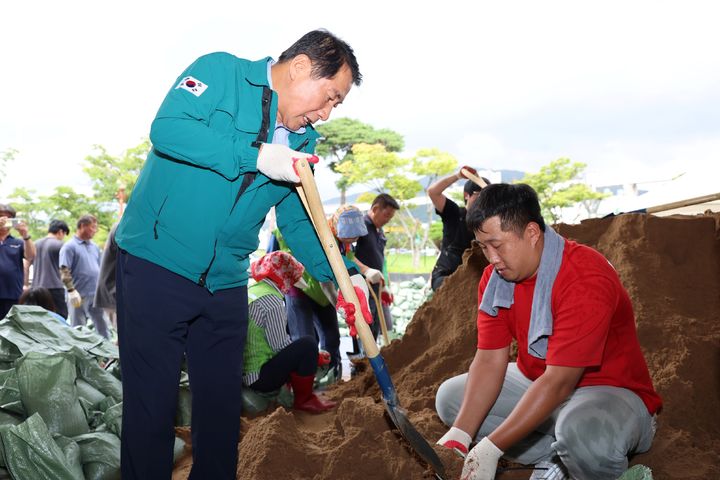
(477, 180)
(684, 203)
(381, 313)
(327, 239)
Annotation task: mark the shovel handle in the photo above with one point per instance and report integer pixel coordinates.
(330, 246)
(381, 313)
(683, 203)
(477, 180)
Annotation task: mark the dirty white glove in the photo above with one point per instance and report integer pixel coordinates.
(75, 298)
(481, 462)
(277, 161)
(456, 438)
(359, 281)
(373, 276)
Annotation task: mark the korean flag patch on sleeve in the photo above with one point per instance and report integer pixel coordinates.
(192, 85)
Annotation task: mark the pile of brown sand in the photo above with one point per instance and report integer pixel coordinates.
(671, 268)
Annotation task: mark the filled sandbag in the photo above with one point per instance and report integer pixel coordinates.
(29, 452)
(47, 386)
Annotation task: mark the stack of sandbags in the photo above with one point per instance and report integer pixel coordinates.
(60, 411)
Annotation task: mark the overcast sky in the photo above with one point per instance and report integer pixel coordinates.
(631, 88)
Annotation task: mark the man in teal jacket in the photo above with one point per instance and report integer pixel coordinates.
(224, 145)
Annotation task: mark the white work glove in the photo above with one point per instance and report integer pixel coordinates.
(359, 281)
(75, 298)
(456, 438)
(481, 462)
(277, 161)
(373, 276)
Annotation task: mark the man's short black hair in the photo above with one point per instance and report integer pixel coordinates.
(384, 200)
(516, 205)
(326, 52)
(57, 225)
(472, 187)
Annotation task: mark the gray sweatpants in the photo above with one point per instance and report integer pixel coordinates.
(592, 432)
(80, 316)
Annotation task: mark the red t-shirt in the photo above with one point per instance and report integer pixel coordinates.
(593, 325)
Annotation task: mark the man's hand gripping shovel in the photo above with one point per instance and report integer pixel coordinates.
(313, 204)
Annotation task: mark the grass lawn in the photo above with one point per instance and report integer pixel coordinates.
(402, 263)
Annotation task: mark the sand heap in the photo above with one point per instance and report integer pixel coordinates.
(671, 268)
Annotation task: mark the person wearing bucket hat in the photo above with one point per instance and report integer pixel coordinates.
(272, 358)
(310, 310)
(456, 237)
(12, 253)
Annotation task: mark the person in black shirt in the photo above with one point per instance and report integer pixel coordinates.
(456, 237)
(370, 251)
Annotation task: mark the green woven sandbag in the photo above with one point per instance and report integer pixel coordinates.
(47, 387)
(100, 454)
(637, 472)
(100, 379)
(8, 418)
(8, 351)
(72, 454)
(88, 392)
(112, 418)
(30, 452)
(10, 393)
(183, 414)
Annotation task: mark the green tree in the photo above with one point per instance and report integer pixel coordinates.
(109, 173)
(432, 164)
(338, 138)
(385, 171)
(558, 186)
(63, 204)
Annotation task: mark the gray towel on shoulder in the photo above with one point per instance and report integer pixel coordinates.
(499, 293)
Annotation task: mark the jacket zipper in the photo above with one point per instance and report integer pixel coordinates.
(203, 277)
(157, 218)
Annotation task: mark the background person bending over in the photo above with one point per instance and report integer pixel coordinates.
(580, 399)
(41, 297)
(225, 141)
(311, 309)
(456, 236)
(271, 357)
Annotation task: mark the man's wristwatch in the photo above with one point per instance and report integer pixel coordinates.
(28, 237)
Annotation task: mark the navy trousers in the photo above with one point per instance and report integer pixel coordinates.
(306, 317)
(161, 318)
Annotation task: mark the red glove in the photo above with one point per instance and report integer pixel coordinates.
(386, 297)
(347, 309)
(469, 169)
(323, 358)
(311, 160)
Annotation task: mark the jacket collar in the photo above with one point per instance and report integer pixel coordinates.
(257, 72)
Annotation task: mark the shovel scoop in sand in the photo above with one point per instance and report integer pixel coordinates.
(311, 198)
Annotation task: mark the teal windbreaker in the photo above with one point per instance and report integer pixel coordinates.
(184, 213)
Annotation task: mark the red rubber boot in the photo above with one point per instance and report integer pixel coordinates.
(305, 399)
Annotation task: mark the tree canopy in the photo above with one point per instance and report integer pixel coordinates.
(558, 186)
(339, 136)
(107, 175)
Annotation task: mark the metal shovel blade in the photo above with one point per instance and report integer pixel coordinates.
(400, 419)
